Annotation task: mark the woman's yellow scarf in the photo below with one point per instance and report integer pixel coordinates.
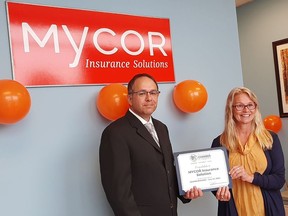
(248, 197)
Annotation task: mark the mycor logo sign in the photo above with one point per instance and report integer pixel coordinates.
(61, 46)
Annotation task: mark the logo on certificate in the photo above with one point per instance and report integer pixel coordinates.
(193, 157)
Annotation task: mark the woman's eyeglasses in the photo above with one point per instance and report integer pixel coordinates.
(240, 107)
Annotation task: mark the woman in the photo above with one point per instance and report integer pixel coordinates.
(255, 158)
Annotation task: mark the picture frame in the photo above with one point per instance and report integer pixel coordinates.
(280, 54)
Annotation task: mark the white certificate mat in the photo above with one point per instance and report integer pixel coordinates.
(207, 169)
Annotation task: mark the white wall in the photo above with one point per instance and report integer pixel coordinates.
(260, 23)
(49, 160)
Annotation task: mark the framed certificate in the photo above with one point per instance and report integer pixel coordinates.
(207, 169)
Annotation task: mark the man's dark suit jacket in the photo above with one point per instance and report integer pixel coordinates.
(138, 177)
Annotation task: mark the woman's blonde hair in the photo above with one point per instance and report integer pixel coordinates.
(229, 137)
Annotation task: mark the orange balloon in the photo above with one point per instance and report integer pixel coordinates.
(273, 123)
(190, 96)
(15, 101)
(112, 101)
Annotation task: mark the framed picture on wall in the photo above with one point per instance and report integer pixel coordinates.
(280, 54)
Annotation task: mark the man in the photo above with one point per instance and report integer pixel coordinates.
(137, 171)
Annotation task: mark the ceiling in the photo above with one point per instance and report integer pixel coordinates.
(242, 2)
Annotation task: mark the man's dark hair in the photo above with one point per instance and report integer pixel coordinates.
(132, 81)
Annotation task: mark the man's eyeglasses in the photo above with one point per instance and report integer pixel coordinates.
(144, 93)
(240, 107)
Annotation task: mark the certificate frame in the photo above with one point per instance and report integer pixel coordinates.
(207, 169)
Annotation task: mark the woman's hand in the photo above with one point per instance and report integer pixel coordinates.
(193, 193)
(238, 172)
(223, 194)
